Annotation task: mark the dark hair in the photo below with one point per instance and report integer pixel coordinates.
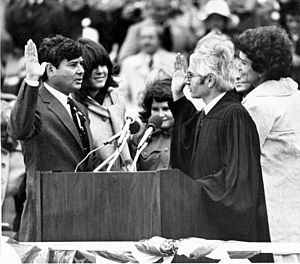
(55, 49)
(159, 91)
(94, 54)
(269, 49)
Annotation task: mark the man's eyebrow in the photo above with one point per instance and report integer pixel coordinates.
(75, 61)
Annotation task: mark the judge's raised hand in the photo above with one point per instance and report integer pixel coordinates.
(34, 70)
(179, 76)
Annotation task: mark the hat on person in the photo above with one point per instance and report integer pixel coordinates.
(219, 7)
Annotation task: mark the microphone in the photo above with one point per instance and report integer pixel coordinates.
(154, 122)
(128, 120)
(133, 129)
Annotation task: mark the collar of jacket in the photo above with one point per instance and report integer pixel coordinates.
(164, 132)
(95, 107)
(283, 87)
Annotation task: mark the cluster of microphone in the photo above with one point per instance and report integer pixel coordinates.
(130, 127)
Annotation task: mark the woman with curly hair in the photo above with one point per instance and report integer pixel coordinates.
(155, 102)
(105, 104)
(273, 101)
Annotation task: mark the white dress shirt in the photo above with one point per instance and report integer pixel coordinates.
(212, 103)
(59, 96)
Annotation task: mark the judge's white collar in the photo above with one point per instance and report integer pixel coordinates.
(212, 103)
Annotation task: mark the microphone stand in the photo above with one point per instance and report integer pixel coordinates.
(138, 153)
(88, 156)
(109, 141)
(118, 151)
(104, 163)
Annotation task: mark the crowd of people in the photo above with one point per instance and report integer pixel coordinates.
(223, 76)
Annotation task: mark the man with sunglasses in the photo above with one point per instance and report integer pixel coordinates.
(218, 146)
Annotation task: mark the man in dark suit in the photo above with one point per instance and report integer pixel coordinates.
(53, 136)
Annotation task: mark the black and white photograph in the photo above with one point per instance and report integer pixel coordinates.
(150, 131)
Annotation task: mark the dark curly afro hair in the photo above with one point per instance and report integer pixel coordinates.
(269, 49)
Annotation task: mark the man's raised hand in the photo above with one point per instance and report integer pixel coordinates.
(178, 80)
(34, 70)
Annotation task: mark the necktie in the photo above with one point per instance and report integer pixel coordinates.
(150, 64)
(79, 120)
(197, 131)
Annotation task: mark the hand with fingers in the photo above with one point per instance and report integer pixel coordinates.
(179, 79)
(34, 70)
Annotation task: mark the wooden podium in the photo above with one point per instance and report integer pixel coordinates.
(116, 206)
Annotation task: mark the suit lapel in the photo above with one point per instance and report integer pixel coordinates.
(116, 113)
(61, 113)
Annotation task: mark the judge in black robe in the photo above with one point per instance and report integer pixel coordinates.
(221, 151)
(224, 157)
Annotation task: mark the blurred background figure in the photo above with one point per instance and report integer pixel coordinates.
(185, 12)
(175, 36)
(31, 19)
(13, 175)
(216, 16)
(136, 68)
(272, 99)
(23, 20)
(12, 65)
(251, 14)
(155, 102)
(78, 19)
(290, 20)
(245, 14)
(120, 14)
(99, 94)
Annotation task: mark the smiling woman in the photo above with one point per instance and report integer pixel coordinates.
(105, 104)
(155, 102)
(272, 99)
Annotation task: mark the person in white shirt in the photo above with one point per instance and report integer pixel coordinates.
(272, 98)
(136, 68)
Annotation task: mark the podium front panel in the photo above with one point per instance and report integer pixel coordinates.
(115, 206)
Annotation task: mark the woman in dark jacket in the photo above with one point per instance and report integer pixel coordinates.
(157, 153)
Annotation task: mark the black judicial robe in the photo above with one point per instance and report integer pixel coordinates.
(221, 151)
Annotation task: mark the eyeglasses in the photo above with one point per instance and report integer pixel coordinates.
(190, 75)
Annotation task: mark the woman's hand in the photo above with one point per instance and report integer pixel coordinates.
(34, 70)
(179, 76)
